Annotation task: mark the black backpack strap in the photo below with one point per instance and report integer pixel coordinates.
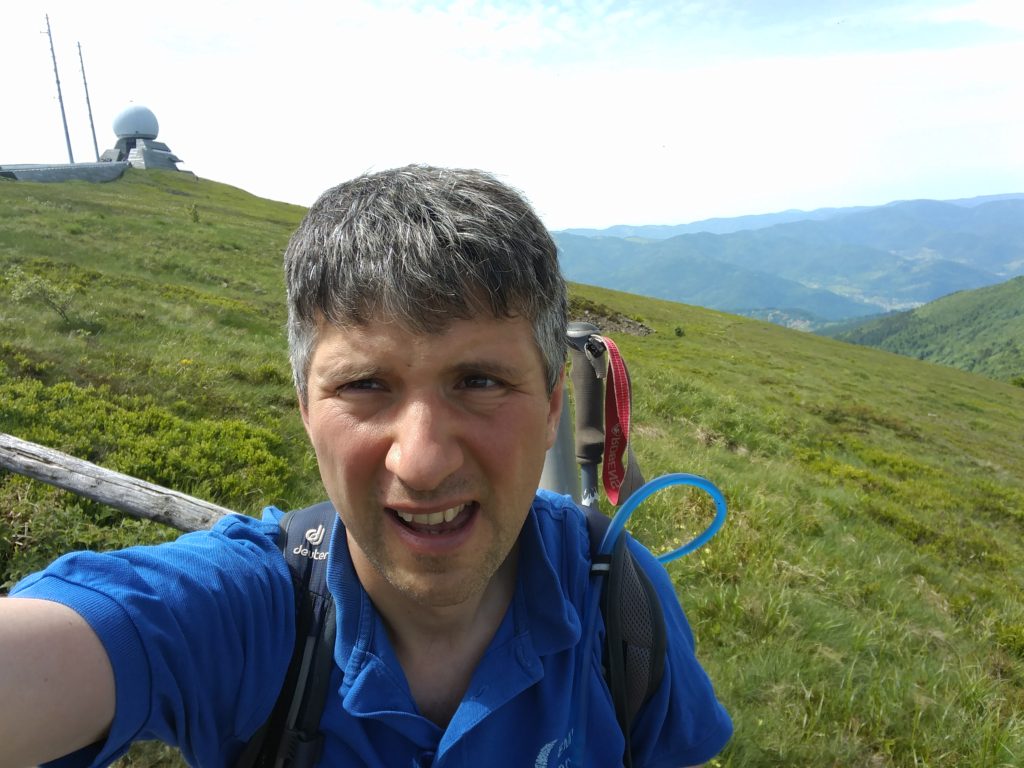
(291, 738)
(635, 642)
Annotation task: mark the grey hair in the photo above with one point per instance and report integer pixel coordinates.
(422, 246)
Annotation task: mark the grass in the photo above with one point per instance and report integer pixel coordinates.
(862, 606)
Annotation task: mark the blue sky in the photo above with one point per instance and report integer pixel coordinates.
(601, 112)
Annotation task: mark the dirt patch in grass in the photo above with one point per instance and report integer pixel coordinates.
(605, 318)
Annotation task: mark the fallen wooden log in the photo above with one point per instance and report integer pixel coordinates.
(130, 495)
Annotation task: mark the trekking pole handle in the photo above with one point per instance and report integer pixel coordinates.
(587, 353)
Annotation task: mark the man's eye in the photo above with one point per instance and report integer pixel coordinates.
(479, 381)
(361, 385)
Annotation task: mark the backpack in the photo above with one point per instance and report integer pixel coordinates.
(634, 652)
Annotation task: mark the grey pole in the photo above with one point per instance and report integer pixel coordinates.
(560, 473)
(589, 368)
(88, 104)
(60, 98)
(571, 464)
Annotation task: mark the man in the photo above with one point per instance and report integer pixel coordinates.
(426, 329)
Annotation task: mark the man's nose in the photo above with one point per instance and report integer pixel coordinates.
(425, 449)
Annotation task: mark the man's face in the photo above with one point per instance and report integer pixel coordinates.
(431, 448)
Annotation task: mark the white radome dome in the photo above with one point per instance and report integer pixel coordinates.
(136, 122)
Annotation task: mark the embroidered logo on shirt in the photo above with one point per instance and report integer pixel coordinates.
(544, 756)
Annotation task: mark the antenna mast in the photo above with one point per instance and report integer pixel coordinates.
(88, 104)
(60, 98)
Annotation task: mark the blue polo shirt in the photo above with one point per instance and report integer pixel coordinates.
(200, 631)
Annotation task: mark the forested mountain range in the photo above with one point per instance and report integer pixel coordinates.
(980, 331)
(723, 226)
(831, 265)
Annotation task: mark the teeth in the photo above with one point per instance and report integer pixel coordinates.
(434, 518)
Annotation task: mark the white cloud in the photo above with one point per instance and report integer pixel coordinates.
(623, 112)
(999, 14)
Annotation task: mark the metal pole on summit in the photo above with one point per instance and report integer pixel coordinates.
(60, 97)
(88, 104)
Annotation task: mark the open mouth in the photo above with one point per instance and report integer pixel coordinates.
(437, 523)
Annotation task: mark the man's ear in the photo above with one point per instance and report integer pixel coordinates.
(555, 409)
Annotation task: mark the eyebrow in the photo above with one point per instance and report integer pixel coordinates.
(355, 371)
(491, 366)
(346, 371)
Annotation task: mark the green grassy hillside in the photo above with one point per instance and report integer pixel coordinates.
(980, 331)
(862, 607)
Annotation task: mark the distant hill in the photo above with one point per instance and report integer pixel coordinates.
(980, 331)
(681, 269)
(850, 263)
(725, 225)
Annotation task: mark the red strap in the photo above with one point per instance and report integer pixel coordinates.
(618, 399)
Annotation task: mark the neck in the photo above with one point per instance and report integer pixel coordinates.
(455, 635)
(412, 623)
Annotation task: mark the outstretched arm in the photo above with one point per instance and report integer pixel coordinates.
(56, 682)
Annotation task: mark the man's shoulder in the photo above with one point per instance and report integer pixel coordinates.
(235, 547)
(561, 525)
(236, 526)
(558, 507)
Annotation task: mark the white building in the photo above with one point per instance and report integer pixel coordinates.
(136, 129)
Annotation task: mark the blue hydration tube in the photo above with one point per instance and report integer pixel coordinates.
(615, 528)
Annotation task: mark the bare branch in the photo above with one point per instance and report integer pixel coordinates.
(135, 497)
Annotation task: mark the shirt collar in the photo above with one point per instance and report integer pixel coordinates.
(544, 616)
(551, 617)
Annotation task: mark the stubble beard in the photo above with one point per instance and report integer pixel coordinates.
(430, 581)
